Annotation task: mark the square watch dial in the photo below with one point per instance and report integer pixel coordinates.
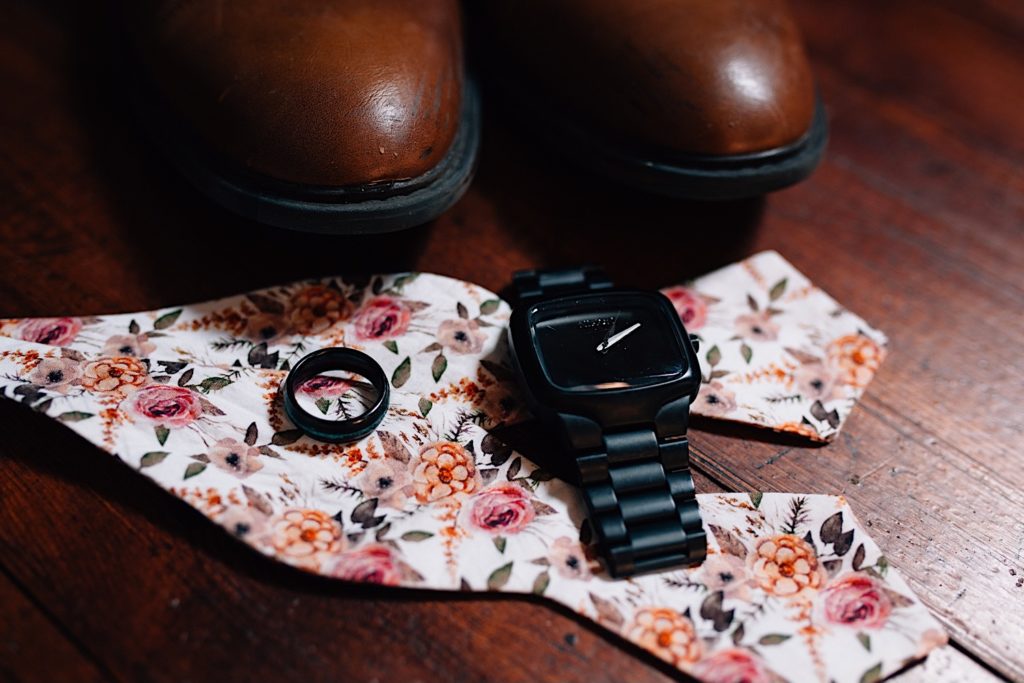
(608, 342)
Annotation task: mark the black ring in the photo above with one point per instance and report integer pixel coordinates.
(337, 431)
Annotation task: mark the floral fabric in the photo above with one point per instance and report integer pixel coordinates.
(793, 588)
(775, 350)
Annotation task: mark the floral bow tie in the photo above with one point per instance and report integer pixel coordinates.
(793, 588)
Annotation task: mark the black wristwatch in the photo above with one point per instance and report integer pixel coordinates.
(615, 372)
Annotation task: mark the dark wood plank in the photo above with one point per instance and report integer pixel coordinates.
(955, 61)
(33, 649)
(948, 665)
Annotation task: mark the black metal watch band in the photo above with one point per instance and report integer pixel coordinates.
(529, 284)
(642, 503)
(636, 482)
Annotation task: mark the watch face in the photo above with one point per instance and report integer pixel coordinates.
(608, 342)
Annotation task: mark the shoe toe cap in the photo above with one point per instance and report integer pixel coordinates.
(737, 83)
(754, 102)
(324, 97)
(676, 77)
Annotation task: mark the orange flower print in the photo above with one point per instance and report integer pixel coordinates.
(856, 358)
(316, 309)
(801, 428)
(785, 565)
(666, 633)
(120, 373)
(445, 469)
(305, 537)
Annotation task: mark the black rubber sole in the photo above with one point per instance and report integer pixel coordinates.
(698, 177)
(362, 209)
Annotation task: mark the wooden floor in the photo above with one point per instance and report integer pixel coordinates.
(915, 221)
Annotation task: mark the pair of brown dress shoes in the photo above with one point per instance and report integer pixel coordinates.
(351, 116)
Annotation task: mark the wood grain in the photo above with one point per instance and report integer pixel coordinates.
(947, 665)
(915, 221)
(33, 648)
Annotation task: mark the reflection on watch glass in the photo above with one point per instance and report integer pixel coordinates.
(629, 343)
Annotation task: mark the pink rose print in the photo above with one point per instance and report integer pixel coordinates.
(689, 305)
(52, 331)
(502, 509)
(381, 317)
(856, 600)
(461, 336)
(325, 386)
(169, 406)
(733, 665)
(374, 563)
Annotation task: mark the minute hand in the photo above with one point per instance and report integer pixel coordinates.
(615, 339)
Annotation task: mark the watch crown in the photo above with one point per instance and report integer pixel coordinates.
(695, 340)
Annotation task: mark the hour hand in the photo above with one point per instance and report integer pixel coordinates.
(616, 338)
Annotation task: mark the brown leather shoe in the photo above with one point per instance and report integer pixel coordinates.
(326, 115)
(705, 99)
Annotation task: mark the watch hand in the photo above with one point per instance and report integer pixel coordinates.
(611, 328)
(615, 339)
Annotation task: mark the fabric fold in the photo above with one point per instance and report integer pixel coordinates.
(793, 588)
